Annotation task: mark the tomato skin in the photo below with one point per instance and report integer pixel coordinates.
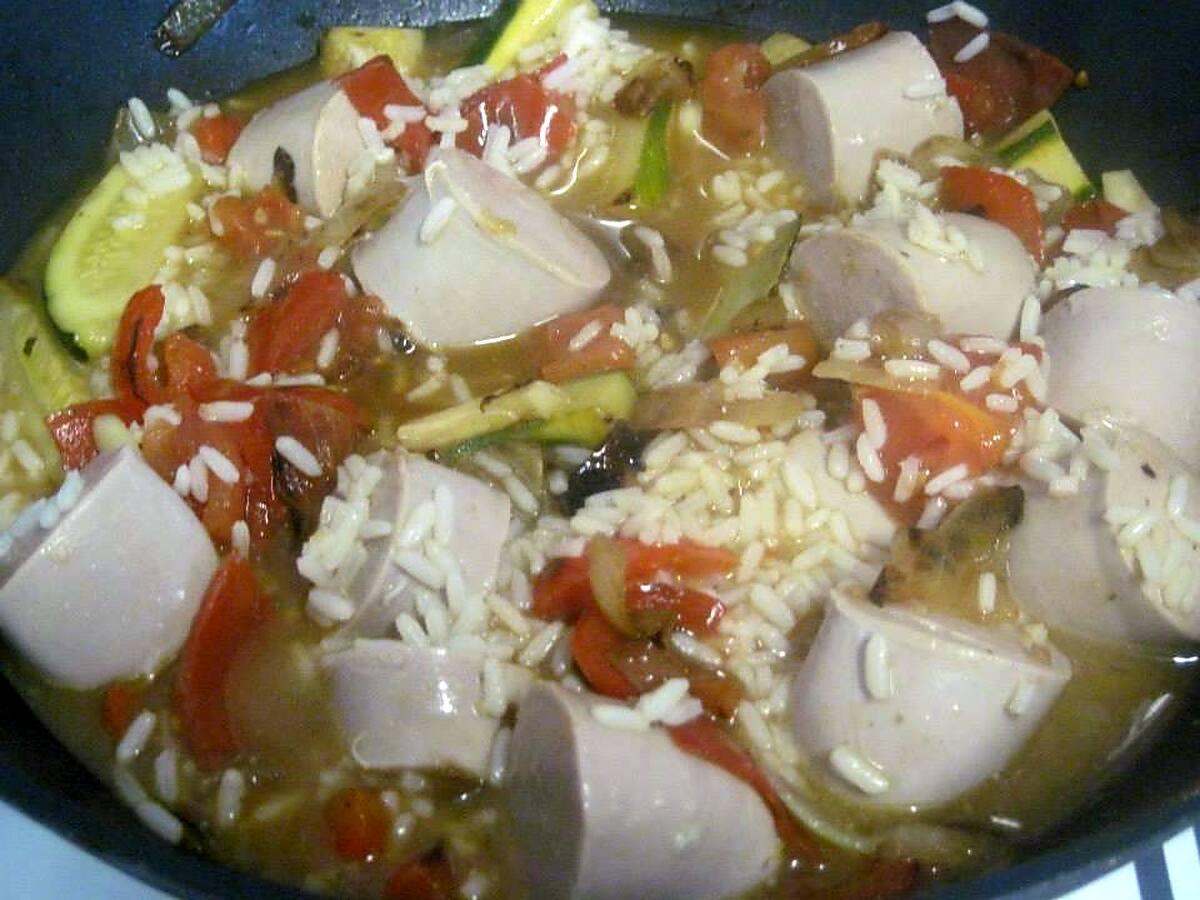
(1004, 200)
(735, 110)
(374, 86)
(253, 227)
(285, 332)
(683, 558)
(604, 353)
(216, 136)
(231, 613)
(705, 739)
(189, 366)
(977, 100)
(695, 611)
(359, 823)
(562, 590)
(526, 106)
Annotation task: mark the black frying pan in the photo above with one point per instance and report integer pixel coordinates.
(65, 67)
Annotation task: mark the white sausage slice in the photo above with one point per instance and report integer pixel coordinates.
(829, 121)
(109, 591)
(318, 129)
(403, 707)
(606, 814)
(857, 273)
(382, 587)
(1130, 354)
(1071, 568)
(473, 255)
(903, 708)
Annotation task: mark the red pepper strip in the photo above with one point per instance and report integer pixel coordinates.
(130, 372)
(1002, 199)
(705, 739)
(232, 611)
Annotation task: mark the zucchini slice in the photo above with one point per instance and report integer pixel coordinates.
(654, 167)
(1038, 146)
(112, 246)
(1121, 188)
(345, 49)
(782, 46)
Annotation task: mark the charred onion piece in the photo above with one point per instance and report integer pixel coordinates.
(607, 468)
(186, 22)
(658, 78)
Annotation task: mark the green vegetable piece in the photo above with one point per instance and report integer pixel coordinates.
(516, 25)
(1038, 146)
(345, 49)
(594, 403)
(782, 46)
(111, 248)
(38, 375)
(740, 287)
(447, 427)
(654, 167)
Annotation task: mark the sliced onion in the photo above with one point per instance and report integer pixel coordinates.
(676, 408)
(606, 572)
(867, 376)
(774, 408)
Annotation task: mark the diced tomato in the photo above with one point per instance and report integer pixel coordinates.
(735, 110)
(981, 111)
(254, 227)
(288, 331)
(746, 348)
(1097, 214)
(359, 823)
(428, 878)
(592, 644)
(603, 353)
(526, 106)
(231, 613)
(122, 702)
(705, 739)
(696, 611)
(130, 372)
(376, 85)
(1002, 199)
(684, 558)
(73, 428)
(941, 430)
(189, 366)
(562, 590)
(216, 136)
(1005, 84)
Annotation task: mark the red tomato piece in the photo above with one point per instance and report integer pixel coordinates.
(593, 643)
(132, 379)
(1005, 84)
(428, 878)
(374, 86)
(120, 706)
(72, 428)
(604, 353)
(1097, 214)
(562, 590)
(705, 739)
(735, 110)
(746, 348)
(287, 332)
(256, 226)
(188, 365)
(359, 823)
(684, 558)
(216, 136)
(1002, 199)
(526, 106)
(231, 613)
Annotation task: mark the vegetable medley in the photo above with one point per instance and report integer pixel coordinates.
(554, 460)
